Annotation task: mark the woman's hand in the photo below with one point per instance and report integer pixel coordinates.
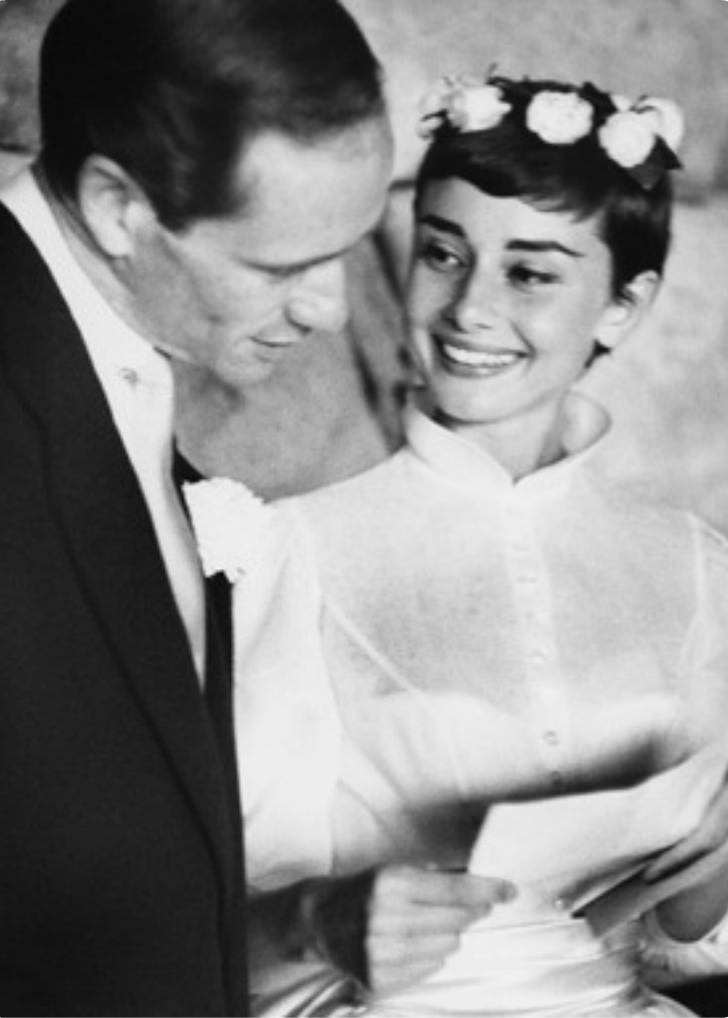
(415, 919)
(697, 868)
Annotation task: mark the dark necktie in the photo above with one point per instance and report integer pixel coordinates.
(218, 698)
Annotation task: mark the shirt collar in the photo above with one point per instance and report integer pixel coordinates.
(116, 350)
(584, 424)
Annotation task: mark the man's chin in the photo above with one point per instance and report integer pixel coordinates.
(233, 374)
(217, 381)
(238, 377)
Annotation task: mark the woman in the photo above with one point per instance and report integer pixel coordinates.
(492, 656)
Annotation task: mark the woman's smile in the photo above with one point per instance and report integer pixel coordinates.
(466, 360)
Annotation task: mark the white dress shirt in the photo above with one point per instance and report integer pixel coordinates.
(138, 385)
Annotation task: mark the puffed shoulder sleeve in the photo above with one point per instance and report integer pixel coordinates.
(666, 961)
(286, 721)
(704, 664)
(712, 555)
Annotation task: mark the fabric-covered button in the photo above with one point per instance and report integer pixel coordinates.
(557, 779)
(129, 375)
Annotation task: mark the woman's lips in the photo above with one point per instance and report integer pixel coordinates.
(476, 361)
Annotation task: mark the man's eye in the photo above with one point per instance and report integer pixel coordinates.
(439, 256)
(528, 278)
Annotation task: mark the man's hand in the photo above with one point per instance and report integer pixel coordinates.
(416, 916)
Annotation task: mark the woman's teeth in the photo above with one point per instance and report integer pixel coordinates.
(479, 359)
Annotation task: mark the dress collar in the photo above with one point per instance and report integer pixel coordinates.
(584, 423)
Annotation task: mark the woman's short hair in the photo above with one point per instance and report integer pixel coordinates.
(172, 90)
(510, 160)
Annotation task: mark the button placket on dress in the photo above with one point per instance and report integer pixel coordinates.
(532, 602)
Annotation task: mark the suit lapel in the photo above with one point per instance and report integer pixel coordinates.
(108, 533)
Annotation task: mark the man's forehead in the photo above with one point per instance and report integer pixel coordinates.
(305, 203)
(276, 161)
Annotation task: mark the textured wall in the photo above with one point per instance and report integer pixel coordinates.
(21, 25)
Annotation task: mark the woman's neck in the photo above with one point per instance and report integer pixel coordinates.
(521, 445)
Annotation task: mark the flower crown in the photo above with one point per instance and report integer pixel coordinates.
(642, 137)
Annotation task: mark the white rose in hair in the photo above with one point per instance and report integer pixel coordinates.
(628, 137)
(476, 108)
(435, 99)
(621, 102)
(667, 119)
(559, 118)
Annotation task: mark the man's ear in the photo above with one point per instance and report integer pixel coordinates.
(628, 309)
(112, 206)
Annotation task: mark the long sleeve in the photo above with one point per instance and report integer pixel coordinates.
(286, 719)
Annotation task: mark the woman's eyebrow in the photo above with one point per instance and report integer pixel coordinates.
(541, 246)
(446, 225)
(532, 246)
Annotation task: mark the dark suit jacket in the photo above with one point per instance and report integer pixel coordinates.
(120, 869)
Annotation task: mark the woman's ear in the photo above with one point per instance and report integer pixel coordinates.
(113, 207)
(628, 309)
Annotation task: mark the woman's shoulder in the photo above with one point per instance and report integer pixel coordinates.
(638, 505)
(668, 541)
(712, 543)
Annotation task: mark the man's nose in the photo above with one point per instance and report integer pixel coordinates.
(318, 301)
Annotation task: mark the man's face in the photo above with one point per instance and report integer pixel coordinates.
(232, 295)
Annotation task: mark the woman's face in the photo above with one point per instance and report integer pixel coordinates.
(505, 302)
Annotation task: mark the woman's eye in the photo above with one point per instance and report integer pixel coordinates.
(439, 256)
(529, 278)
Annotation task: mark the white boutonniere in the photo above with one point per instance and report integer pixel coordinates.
(231, 525)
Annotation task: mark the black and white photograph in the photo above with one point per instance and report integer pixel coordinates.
(364, 508)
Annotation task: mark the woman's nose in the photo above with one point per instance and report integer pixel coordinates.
(318, 301)
(476, 304)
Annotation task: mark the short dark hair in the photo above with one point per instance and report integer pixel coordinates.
(509, 160)
(173, 90)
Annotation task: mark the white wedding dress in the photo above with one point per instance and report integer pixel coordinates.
(435, 664)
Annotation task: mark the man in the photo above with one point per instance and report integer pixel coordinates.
(204, 167)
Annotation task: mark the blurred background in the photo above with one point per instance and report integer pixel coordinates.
(334, 409)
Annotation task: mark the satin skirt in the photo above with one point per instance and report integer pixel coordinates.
(553, 967)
